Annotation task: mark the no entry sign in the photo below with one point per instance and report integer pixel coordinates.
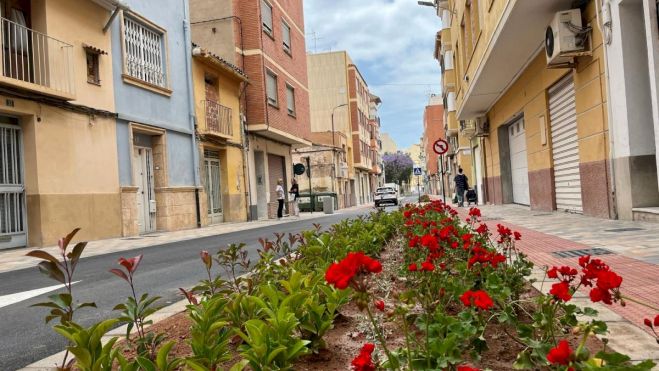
(440, 146)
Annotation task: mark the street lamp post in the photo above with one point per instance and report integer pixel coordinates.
(334, 147)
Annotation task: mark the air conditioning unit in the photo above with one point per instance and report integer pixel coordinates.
(467, 128)
(565, 38)
(482, 127)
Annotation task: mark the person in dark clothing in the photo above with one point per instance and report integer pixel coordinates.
(461, 185)
(295, 192)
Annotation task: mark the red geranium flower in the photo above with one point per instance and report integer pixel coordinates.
(341, 274)
(427, 266)
(379, 304)
(363, 361)
(518, 236)
(656, 320)
(482, 229)
(561, 354)
(479, 299)
(561, 291)
(467, 368)
(647, 322)
(475, 212)
(412, 267)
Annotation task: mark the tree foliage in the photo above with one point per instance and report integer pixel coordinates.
(397, 167)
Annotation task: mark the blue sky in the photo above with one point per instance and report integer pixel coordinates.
(392, 42)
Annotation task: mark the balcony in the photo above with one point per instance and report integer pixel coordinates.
(217, 119)
(37, 62)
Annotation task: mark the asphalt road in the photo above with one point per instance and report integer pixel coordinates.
(25, 338)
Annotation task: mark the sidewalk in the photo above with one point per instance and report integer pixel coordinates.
(15, 259)
(633, 249)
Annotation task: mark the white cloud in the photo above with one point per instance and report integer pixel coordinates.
(392, 42)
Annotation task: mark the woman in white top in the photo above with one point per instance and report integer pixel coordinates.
(280, 197)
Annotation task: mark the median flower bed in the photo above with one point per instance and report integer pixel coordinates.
(417, 289)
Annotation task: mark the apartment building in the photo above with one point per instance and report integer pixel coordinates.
(537, 128)
(155, 129)
(344, 130)
(459, 155)
(264, 38)
(217, 88)
(433, 130)
(57, 123)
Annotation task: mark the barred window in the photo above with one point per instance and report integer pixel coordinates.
(145, 52)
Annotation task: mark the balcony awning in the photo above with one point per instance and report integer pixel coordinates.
(94, 50)
(518, 38)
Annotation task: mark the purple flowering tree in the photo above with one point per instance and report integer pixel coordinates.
(397, 167)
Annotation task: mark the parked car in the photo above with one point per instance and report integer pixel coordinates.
(386, 195)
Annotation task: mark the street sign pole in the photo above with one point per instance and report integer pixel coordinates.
(418, 187)
(441, 164)
(313, 204)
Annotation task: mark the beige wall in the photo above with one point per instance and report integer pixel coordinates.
(79, 22)
(218, 34)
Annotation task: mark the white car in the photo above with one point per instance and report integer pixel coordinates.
(386, 195)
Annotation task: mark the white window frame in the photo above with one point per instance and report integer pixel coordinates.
(147, 64)
(271, 101)
(268, 28)
(289, 102)
(286, 41)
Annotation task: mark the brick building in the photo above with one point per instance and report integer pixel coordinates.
(266, 40)
(433, 129)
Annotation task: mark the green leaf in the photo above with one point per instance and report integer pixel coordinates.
(240, 365)
(52, 270)
(161, 359)
(146, 364)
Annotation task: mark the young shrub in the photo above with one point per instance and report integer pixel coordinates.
(210, 334)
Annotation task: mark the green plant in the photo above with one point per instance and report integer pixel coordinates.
(270, 342)
(210, 334)
(61, 305)
(162, 362)
(230, 259)
(90, 354)
(135, 312)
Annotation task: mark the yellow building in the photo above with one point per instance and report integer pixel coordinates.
(57, 126)
(218, 86)
(538, 129)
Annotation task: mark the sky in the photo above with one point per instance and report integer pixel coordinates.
(392, 43)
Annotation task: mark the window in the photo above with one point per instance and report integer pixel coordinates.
(266, 16)
(92, 67)
(290, 99)
(286, 35)
(145, 52)
(271, 88)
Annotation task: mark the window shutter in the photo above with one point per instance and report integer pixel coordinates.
(290, 97)
(271, 87)
(266, 14)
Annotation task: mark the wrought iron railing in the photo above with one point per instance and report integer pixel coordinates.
(36, 58)
(218, 118)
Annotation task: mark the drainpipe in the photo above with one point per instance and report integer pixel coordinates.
(193, 118)
(119, 7)
(604, 25)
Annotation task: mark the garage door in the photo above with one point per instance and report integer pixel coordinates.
(565, 145)
(518, 162)
(276, 172)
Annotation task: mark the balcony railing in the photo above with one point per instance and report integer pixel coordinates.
(33, 60)
(218, 118)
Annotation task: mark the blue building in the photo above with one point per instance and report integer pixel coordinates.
(157, 153)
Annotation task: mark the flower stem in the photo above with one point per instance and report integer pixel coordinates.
(640, 303)
(407, 342)
(392, 362)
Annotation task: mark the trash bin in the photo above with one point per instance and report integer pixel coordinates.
(328, 205)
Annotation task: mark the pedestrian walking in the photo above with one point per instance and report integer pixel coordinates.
(461, 185)
(280, 198)
(295, 193)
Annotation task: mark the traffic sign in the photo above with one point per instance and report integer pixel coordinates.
(440, 146)
(298, 169)
(418, 171)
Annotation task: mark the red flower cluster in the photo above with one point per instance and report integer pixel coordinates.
(480, 299)
(341, 274)
(467, 368)
(606, 282)
(379, 304)
(561, 354)
(561, 291)
(485, 257)
(412, 267)
(363, 361)
(652, 324)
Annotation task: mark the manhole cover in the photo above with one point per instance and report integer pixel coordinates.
(583, 252)
(131, 238)
(632, 229)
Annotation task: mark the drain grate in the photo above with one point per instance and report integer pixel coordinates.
(632, 229)
(131, 238)
(583, 252)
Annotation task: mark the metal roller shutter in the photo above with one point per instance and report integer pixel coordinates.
(565, 145)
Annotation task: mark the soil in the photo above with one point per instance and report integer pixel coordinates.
(352, 329)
